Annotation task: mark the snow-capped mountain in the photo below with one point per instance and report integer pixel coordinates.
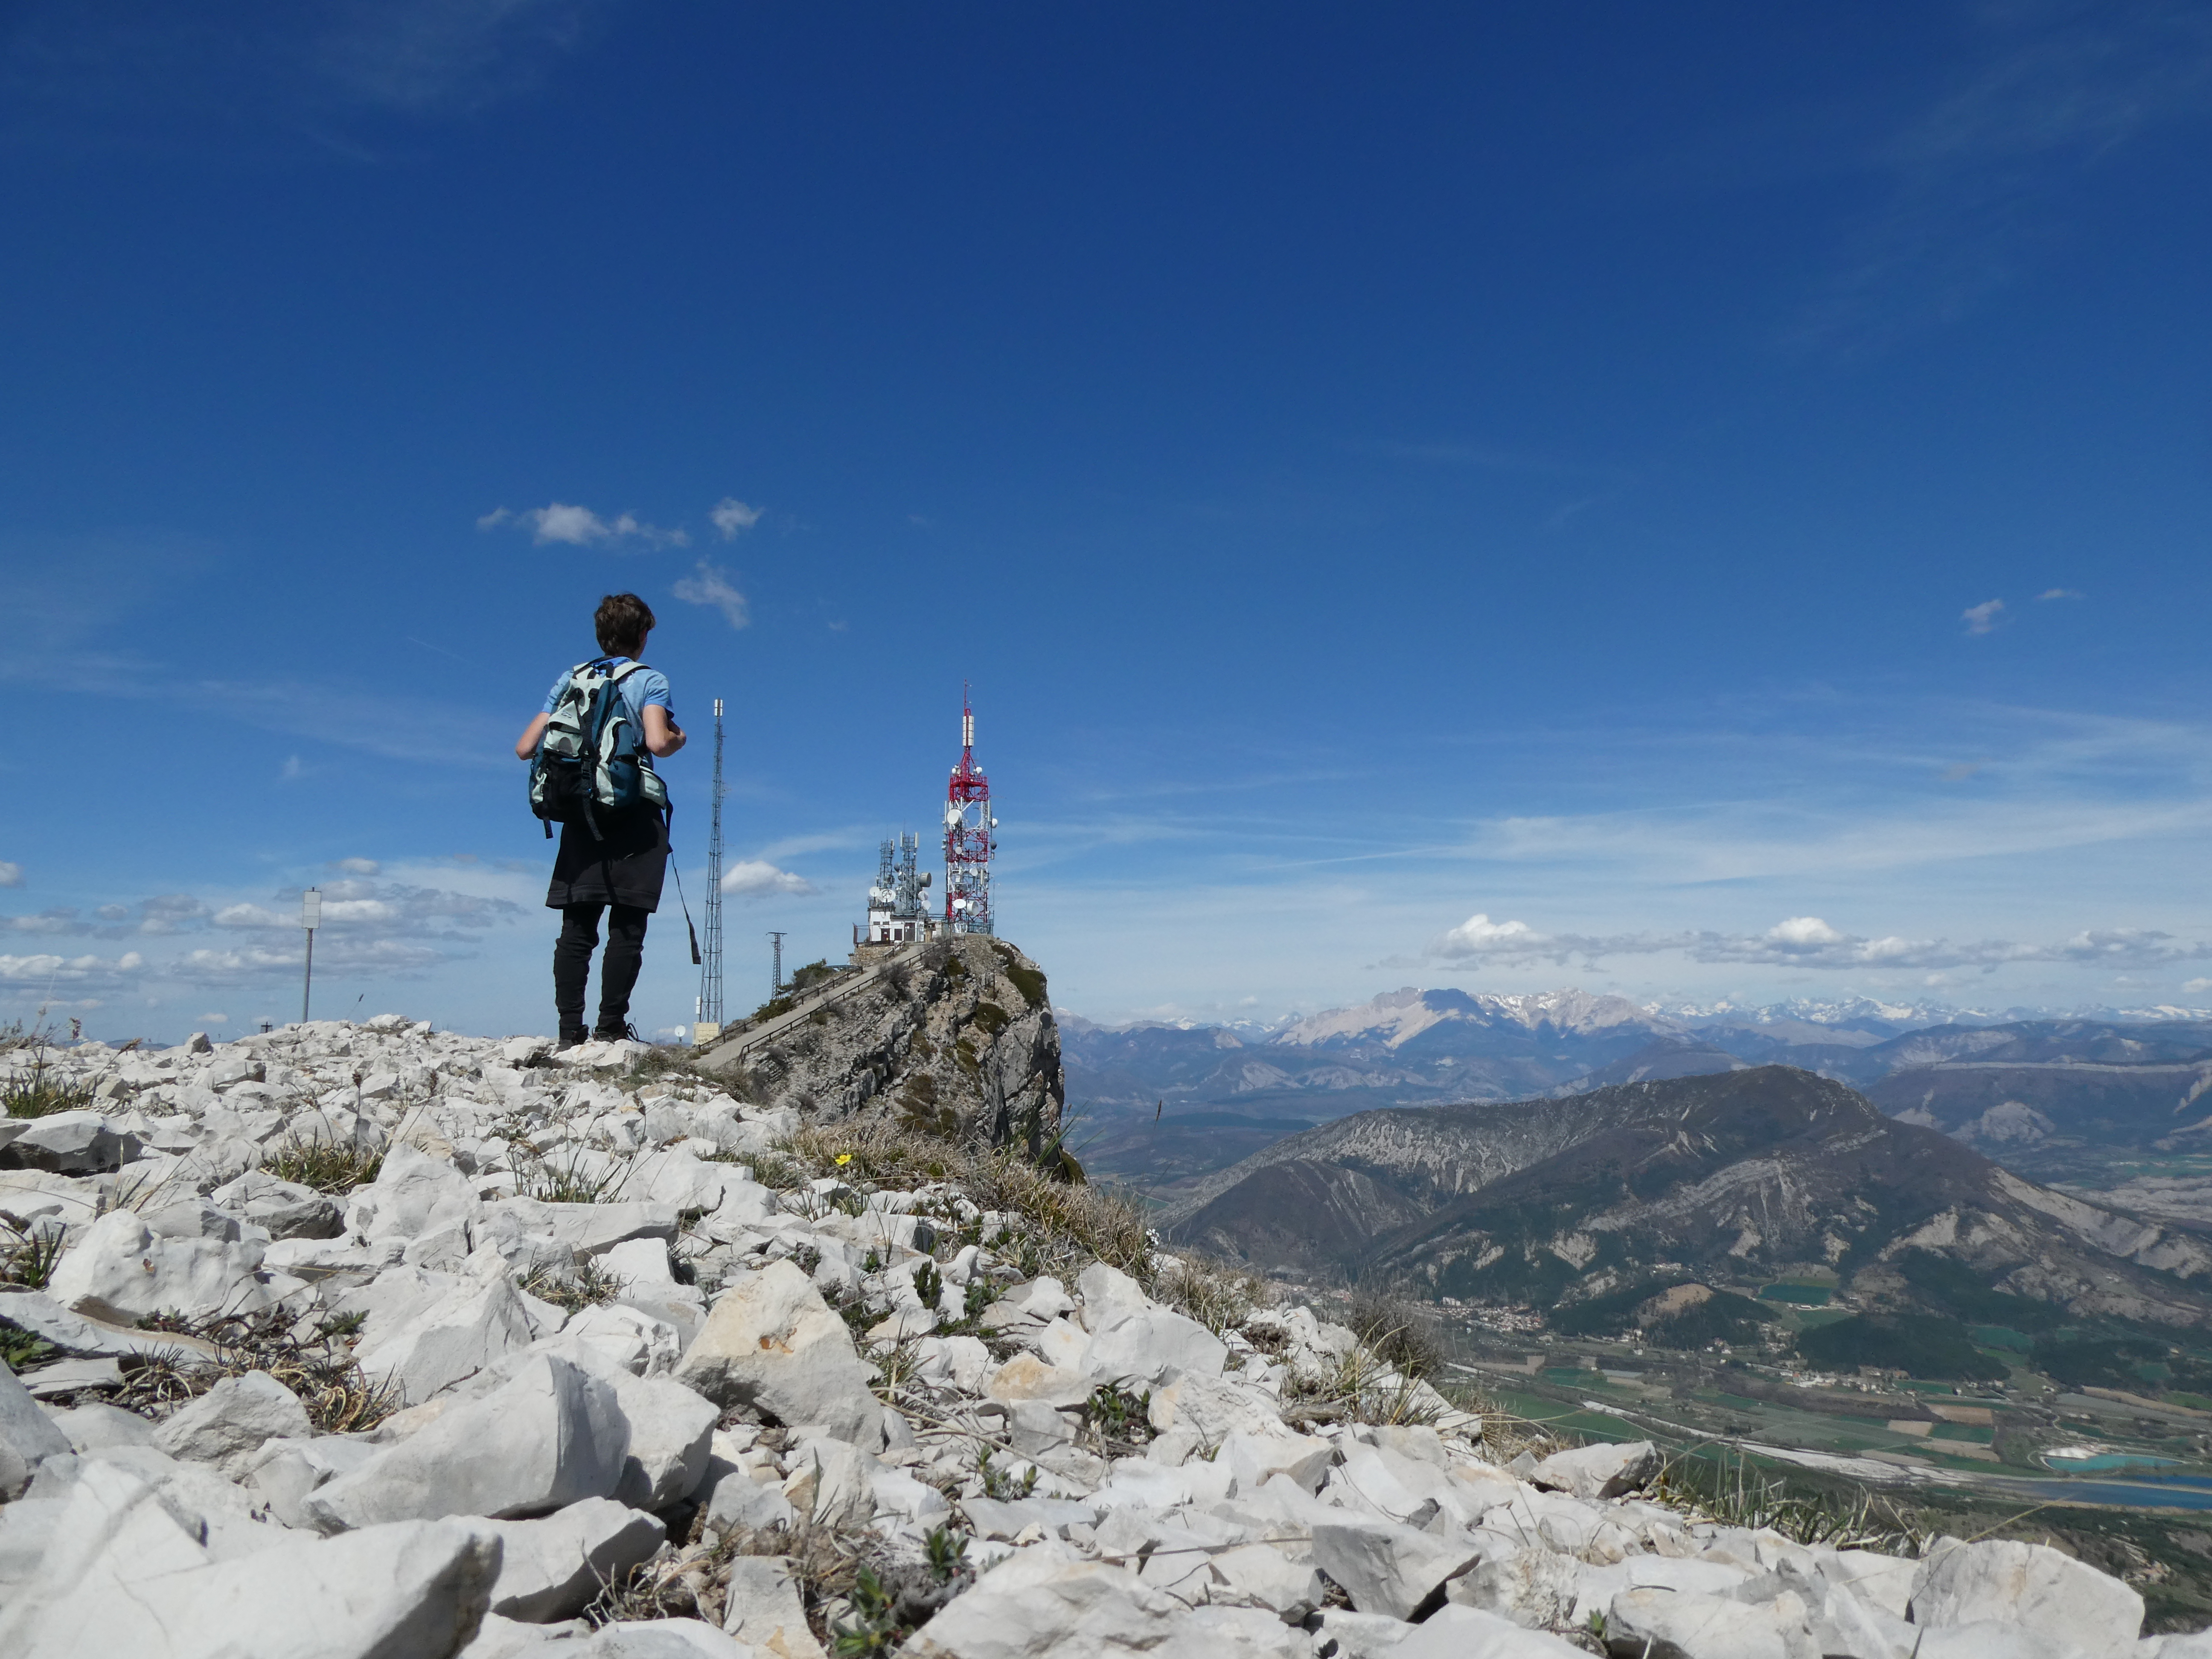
(1396, 1017)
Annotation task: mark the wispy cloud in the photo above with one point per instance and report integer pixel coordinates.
(1983, 618)
(11, 875)
(757, 878)
(1973, 179)
(711, 586)
(293, 73)
(730, 515)
(2062, 593)
(580, 526)
(356, 866)
(1807, 942)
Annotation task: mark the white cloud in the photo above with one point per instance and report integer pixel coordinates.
(357, 867)
(579, 526)
(712, 586)
(1983, 618)
(1480, 936)
(1803, 932)
(757, 878)
(69, 970)
(1810, 942)
(2194, 987)
(216, 1018)
(292, 768)
(2062, 593)
(731, 515)
(11, 875)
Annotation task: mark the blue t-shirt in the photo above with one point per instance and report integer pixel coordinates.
(647, 686)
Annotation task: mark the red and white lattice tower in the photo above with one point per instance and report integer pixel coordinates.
(968, 840)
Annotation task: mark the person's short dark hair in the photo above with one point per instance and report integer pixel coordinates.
(622, 621)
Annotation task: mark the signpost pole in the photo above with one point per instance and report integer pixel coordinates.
(311, 916)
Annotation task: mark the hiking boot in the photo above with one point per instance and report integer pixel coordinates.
(570, 1038)
(605, 1033)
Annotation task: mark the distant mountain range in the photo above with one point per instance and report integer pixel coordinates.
(1726, 1178)
(1164, 1105)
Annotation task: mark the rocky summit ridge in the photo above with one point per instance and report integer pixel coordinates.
(352, 1340)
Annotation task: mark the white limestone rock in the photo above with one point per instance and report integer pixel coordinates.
(233, 1420)
(550, 1437)
(771, 1343)
(468, 1328)
(1456, 1632)
(828, 1484)
(2030, 1585)
(1148, 1345)
(550, 1569)
(1602, 1470)
(1041, 1601)
(70, 1143)
(1387, 1568)
(284, 1209)
(671, 1432)
(121, 1272)
(762, 1608)
(413, 1194)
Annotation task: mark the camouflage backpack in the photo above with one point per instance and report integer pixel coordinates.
(591, 759)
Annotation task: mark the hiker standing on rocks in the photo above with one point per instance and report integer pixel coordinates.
(591, 773)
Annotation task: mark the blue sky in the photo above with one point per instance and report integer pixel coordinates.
(1702, 502)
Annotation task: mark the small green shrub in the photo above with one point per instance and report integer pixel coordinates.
(991, 1018)
(1119, 1416)
(1029, 982)
(21, 1350)
(999, 1484)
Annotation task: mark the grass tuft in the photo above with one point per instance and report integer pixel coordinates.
(339, 1398)
(29, 1252)
(1730, 1490)
(1218, 1295)
(589, 1286)
(43, 1092)
(572, 1182)
(325, 1165)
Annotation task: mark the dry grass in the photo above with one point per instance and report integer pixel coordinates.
(44, 1092)
(572, 1182)
(1734, 1493)
(1067, 1224)
(339, 1398)
(1217, 1294)
(590, 1285)
(1363, 1387)
(325, 1165)
(1401, 1333)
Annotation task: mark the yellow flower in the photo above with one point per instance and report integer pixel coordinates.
(844, 1159)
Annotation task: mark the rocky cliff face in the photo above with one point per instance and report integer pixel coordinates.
(955, 1036)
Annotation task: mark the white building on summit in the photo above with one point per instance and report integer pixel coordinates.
(896, 916)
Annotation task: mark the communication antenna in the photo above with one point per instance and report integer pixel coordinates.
(709, 1024)
(970, 837)
(775, 986)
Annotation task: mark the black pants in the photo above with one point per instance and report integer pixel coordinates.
(572, 965)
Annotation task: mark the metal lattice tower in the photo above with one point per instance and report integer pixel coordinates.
(969, 838)
(710, 970)
(775, 985)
